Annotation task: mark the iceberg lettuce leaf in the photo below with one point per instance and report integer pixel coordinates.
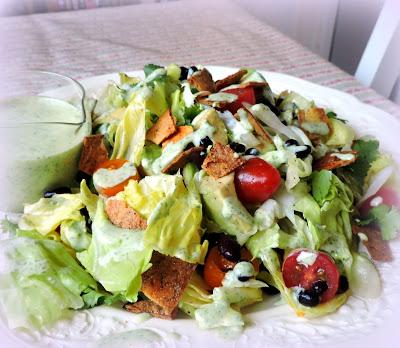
(174, 225)
(47, 214)
(41, 282)
(131, 133)
(116, 257)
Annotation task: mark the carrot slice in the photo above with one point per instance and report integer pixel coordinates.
(182, 132)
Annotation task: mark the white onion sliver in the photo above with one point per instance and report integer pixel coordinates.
(264, 113)
(377, 181)
(302, 135)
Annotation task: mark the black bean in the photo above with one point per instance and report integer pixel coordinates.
(82, 176)
(304, 153)
(192, 70)
(252, 151)
(58, 191)
(271, 290)
(243, 278)
(203, 155)
(239, 148)
(308, 298)
(343, 285)
(319, 287)
(184, 73)
(189, 146)
(229, 248)
(291, 142)
(206, 142)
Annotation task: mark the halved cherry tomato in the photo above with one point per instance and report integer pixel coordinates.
(256, 181)
(298, 274)
(389, 197)
(216, 266)
(244, 95)
(112, 165)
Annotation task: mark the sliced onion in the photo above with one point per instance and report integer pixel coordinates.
(364, 278)
(302, 135)
(271, 120)
(377, 181)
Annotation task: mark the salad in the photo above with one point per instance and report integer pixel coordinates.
(204, 197)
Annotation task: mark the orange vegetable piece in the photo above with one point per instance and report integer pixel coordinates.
(182, 132)
(112, 165)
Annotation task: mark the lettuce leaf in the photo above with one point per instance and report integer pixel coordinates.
(224, 311)
(271, 261)
(145, 195)
(131, 133)
(388, 219)
(41, 282)
(116, 257)
(367, 154)
(47, 214)
(181, 239)
(183, 107)
(74, 234)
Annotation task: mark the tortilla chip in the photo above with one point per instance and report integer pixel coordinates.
(181, 132)
(221, 160)
(93, 154)
(330, 161)
(230, 80)
(378, 248)
(314, 118)
(162, 129)
(202, 81)
(258, 128)
(190, 155)
(166, 280)
(122, 215)
(254, 84)
(147, 306)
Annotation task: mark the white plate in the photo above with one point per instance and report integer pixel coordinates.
(359, 323)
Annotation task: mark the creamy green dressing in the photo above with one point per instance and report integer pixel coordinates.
(37, 157)
(174, 149)
(111, 177)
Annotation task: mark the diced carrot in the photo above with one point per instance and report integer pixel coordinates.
(182, 132)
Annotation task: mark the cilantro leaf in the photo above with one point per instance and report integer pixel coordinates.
(321, 185)
(331, 114)
(367, 153)
(388, 219)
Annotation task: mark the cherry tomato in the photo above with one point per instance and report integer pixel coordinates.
(112, 165)
(256, 181)
(216, 266)
(299, 274)
(244, 95)
(389, 197)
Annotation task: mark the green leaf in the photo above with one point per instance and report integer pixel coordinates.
(116, 257)
(331, 114)
(367, 153)
(321, 184)
(388, 219)
(41, 282)
(149, 68)
(94, 298)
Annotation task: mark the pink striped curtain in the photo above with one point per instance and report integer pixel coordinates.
(22, 7)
